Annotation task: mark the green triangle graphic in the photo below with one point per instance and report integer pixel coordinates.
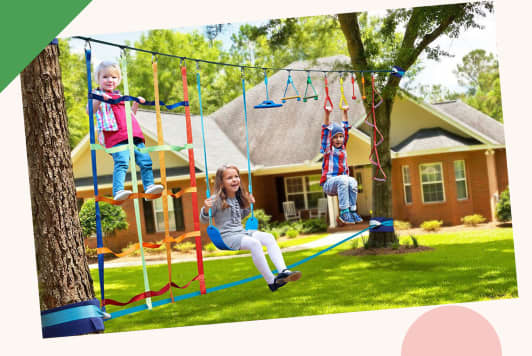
(27, 27)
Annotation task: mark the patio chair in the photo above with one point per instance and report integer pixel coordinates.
(322, 209)
(290, 211)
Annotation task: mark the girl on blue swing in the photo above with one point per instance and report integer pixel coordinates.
(230, 203)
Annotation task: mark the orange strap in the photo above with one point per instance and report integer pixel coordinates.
(144, 195)
(136, 246)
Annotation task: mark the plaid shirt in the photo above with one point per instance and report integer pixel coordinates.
(105, 118)
(334, 159)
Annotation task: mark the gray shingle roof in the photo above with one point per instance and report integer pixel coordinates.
(220, 149)
(433, 138)
(471, 117)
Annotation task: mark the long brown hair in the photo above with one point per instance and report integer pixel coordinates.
(241, 196)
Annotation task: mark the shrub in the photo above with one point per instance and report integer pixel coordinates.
(365, 242)
(113, 218)
(275, 234)
(210, 247)
(314, 225)
(415, 243)
(292, 233)
(262, 217)
(354, 244)
(401, 225)
(91, 252)
(473, 220)
(431, 225)
(504, 209)
(186, 246)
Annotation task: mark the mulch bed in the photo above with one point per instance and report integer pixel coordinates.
(361, 251)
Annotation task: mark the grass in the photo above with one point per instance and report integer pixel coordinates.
(463, 267)
(302, 239)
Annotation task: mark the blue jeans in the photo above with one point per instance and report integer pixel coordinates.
(121, 159)
(345, 187)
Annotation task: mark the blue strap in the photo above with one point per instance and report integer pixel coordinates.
(231, 284)
(133, 98)
(73, 319)
(64, 316)
(382, 224)
(247, 139)
(99, 235)
(398, 71)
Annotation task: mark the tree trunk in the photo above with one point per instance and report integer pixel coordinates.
(382, 191)
(62, 267)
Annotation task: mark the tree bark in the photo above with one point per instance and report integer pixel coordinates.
(63, 272)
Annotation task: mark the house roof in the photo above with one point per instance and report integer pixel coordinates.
(289, 134)
(219, 148)
(474, 119)
(433, 138)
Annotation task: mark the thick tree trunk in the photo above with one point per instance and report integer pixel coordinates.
(62, 267)
(382, 191)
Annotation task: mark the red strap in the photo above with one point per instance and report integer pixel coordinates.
(327, 97)
(150, 293)
(375, 130)
(353, 83)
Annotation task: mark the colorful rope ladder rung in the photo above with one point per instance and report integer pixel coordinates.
(144, 195)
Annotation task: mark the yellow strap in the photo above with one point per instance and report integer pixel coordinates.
(291, 97)
(342, 97)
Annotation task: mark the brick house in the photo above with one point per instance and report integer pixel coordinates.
(448, 159)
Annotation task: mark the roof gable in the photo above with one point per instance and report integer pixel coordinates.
(433, 138)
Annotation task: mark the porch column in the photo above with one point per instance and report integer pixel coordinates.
(332, 203)
(492, 182)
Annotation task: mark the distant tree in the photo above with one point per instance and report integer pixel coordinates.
(504, 209)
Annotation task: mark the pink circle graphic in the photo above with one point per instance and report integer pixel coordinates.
(451, 331)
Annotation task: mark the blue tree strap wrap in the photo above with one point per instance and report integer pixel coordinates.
(73, 319)
(383, 224)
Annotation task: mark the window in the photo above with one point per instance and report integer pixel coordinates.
(159, 214)
(407, 187)
(432, 182)
(460, 178)
(304, 191)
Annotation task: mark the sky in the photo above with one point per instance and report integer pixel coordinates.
(440, 72)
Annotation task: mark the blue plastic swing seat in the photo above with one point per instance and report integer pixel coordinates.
(216, 238)
(267, 104)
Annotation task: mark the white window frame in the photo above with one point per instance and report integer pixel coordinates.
(461, 179)
(170, 213)
(409, 183)
(422, 183)
(304, 192)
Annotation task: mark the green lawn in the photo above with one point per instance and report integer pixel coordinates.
(463, 267)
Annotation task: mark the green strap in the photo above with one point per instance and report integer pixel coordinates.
(95, 146)
(133, 166)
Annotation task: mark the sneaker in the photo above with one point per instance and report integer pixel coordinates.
(122, 194)
(287, 276)
(276, 285)
(153, 189)
(356, 217)
(346, 218)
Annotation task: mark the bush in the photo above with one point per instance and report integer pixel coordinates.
(314, 225)
(504, 209)
(275, 234)
(186, 246)
(415, 243)
(473, 220)
(113, 218)
(91, 252)
(262, 217)
(431, 225)
(292, 233)
(401, 225)
(354, 244)
(210, 247)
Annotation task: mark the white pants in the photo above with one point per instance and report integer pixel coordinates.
(254, 244)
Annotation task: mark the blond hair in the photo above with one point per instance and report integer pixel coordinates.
(108, 64)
